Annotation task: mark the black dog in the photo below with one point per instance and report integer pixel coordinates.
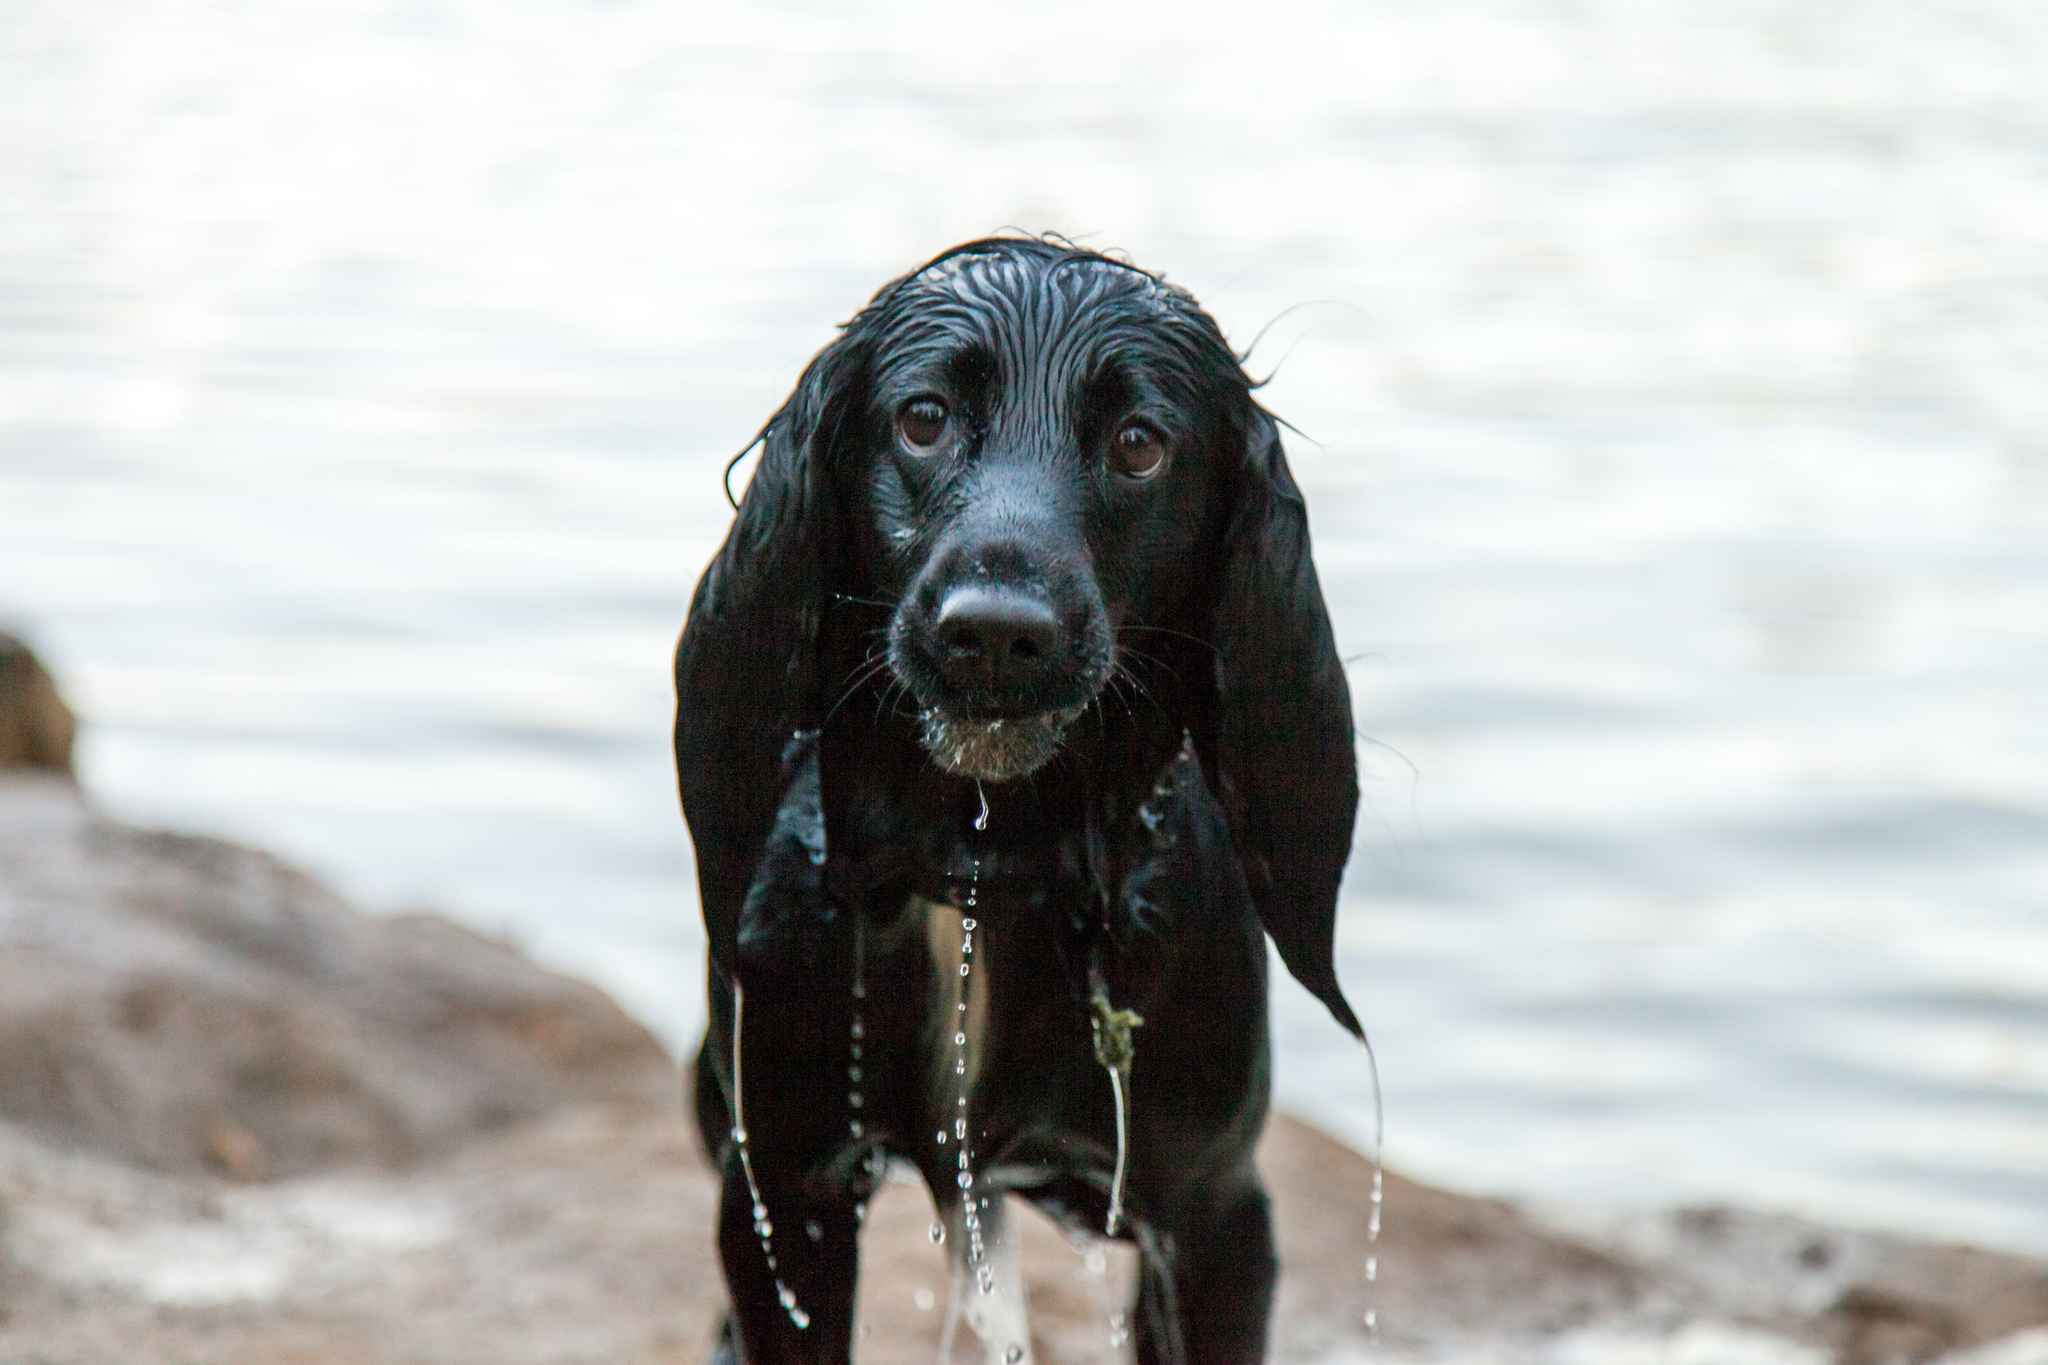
(1008, 715)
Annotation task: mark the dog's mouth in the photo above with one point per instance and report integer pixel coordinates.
(994, 750)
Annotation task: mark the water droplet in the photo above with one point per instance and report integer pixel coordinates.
(765, 1228)
(959, 1038)
(785, 1294)
(860, 990)
(965, 1180)
(959, 1068)
(1014, 1354)
(960, 1129)
(854, 1127)
(739, 1135)
(963, 969)
(981, 820)
(1372, 1320)
(963, 1158)
(941, 1135)
(938, 1232)
(923, 1298)
(860, 1213)
(854, 1052)
(1372, 1267)
(1096, 1261)
(858, 1032)
(760, 1210)
(969, 925)
(854, 1099)
(963, 1007)
(853, 1073)
(800, 1318)
(814, 1231)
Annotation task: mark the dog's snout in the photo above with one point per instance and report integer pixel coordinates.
(993, 637)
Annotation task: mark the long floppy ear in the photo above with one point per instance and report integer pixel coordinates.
(1283, 758)
(747, 686)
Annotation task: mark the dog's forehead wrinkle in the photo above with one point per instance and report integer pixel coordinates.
(1053, 334)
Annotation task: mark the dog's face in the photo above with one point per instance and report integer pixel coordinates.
(1044, 441)
(1048, 468)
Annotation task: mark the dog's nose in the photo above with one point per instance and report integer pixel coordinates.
(995, 636)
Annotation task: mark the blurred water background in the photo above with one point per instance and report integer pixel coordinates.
(1676, 383)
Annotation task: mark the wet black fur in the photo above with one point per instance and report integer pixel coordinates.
(1190, 615)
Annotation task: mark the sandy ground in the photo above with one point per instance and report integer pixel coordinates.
(585, 1238)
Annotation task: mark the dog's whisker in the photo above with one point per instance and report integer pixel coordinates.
(1114, 690)
(1121, 671)
(866, 671)
(1168, 630)
(1126, 651)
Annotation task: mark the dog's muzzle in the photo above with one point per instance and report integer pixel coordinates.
(994, 750)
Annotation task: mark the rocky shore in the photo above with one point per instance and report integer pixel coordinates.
(242, 1123)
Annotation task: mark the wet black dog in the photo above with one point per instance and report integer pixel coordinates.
(1008, 716)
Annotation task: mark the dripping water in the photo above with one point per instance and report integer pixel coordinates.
(1116, 1183)
(763, 1228)
(1379, 1174)
(856, 1031)
(967, 1258)
(1112, 1029)
(856, 1042)
(986, 1287)
(964, 1178)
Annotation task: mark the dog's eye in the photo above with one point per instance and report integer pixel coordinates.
(1137, 451)
(921, 421)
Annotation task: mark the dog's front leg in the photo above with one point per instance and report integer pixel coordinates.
(789, 1241)
(1205, 1284)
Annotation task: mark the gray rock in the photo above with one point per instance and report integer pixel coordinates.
(184, 1004)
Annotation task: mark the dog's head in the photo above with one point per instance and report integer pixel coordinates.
(1028, 451)
(1044, 434)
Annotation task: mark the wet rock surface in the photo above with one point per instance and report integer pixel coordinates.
(36, 727)
(243, 1124)
(186, 1004)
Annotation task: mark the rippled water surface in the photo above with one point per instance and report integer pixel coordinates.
(1673, 380)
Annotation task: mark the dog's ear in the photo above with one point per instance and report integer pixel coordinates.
(747, 685)
(1281, 754)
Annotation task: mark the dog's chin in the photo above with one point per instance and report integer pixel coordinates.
(994, 750)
